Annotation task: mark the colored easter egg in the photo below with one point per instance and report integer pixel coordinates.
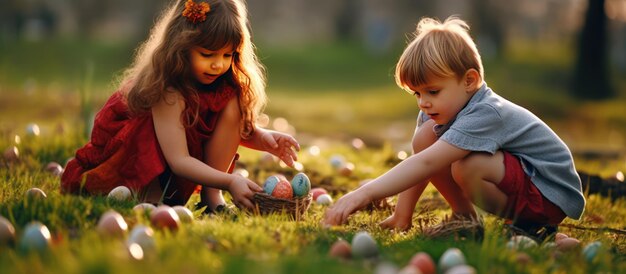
(120, 193)
(346, 170)
(270, 184)
(341, 249)
(567, 244)
(144, 207)
(364, 246)
(410, 269)
(143, 236)
(316, 192)
(32, 130)
(184, 214)
(461, 269)
(112, 224)
(283, 190)
(337, 161)
(165, 217)
(36, 237)
(301, 185)
(523, 258)
(35, 193)
(521, 242)
(324, 199)
(451, 258)
(55, 168)
(424, 263)
(560, 236)
(591, 250)
(11, 154)
(7, 232)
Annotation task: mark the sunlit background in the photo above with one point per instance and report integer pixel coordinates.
(330, 63)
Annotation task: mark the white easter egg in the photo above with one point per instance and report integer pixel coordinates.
(120, 193)
(521, 242)
(35, 193)
(364, 246)
(451, 258)
(143, 236)
(144, 207)
(324, 199)
(184, 214)
(32, 130)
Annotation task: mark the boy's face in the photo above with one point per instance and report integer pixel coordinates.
(207, 65)
(442, 98)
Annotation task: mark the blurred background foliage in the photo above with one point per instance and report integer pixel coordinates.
(330, 63)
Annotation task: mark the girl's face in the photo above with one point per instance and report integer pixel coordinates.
(207, 65)
(442, 98)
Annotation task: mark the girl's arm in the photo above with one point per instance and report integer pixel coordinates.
(416, 168)
(282, 145)
(170, 132)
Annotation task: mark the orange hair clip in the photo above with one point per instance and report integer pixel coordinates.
(196, 12)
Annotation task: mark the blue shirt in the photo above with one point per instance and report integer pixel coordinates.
(489, 123)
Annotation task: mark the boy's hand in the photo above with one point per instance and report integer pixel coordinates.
(338, 213)
(397, 223)
(282, 145)
(242, 191)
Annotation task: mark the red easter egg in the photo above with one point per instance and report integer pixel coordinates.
(165, 217)
(341, 249)
(283, 190)
(423, 262)
(317, 192)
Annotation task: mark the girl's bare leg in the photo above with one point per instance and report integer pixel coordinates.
(220, 150)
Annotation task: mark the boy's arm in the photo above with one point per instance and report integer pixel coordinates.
(415, 169)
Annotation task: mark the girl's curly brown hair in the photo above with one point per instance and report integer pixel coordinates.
(162, 63)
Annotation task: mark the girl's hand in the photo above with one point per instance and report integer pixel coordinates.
(338, 213)
(395, 222)
(242, 191)
(281, 145)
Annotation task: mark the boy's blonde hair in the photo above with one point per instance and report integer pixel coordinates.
(438, 50)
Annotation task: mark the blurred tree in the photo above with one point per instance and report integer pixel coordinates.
(591, 74)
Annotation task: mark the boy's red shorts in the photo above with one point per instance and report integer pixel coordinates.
(525, 203)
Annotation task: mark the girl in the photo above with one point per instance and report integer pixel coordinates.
(188, 101)
(473, 145)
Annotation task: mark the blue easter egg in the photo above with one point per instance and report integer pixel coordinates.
(451, 258)
(270, 184)
(36, 237)
(301, 185)
(591, 250)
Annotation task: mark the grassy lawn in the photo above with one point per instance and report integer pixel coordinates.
(330, 95)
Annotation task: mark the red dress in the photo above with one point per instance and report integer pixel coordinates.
(124, 150)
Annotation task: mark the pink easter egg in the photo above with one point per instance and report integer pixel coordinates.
(423, 262)
(316, 192)
(283, 190)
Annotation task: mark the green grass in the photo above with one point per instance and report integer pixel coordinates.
(264, 244)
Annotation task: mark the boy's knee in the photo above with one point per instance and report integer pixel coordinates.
(466, 169)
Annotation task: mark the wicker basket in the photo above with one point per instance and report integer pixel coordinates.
(267, 204)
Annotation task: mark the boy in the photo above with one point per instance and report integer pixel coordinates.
(473, 145)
